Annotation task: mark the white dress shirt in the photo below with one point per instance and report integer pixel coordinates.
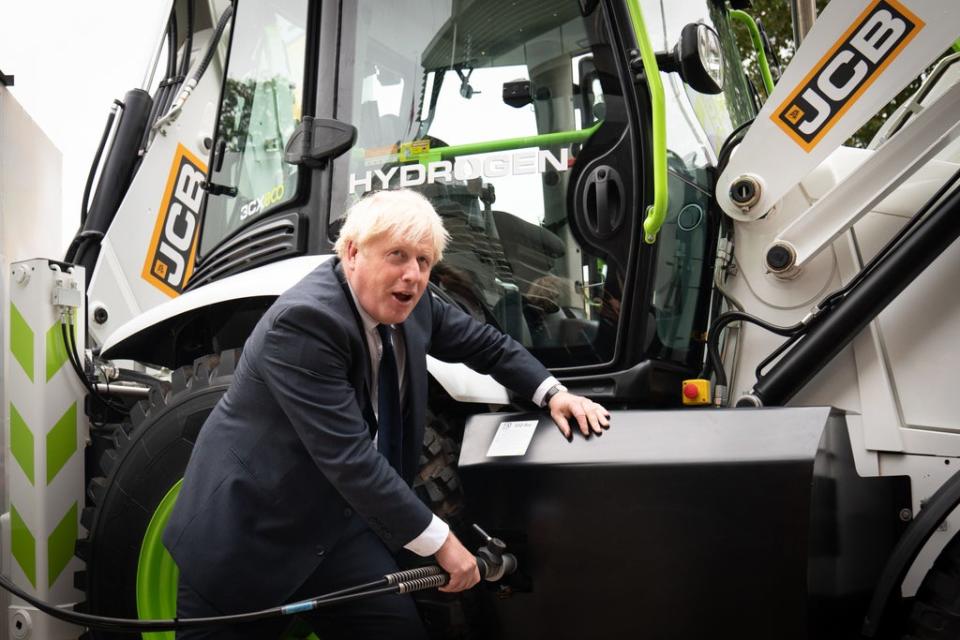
(432, 538)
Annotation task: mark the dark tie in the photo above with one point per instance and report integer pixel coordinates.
(390, 416)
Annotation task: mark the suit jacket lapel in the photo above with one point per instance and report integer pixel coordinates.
(366, 407)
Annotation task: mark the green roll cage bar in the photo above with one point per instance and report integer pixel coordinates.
(747, 20)
(655, 213)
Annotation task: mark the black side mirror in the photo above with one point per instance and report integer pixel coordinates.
(316, 140)
(519, 93)
(697, 57)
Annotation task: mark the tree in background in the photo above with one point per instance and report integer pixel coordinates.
(774, 15)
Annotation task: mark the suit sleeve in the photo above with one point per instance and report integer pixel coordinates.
(456, 337)
(306, 363)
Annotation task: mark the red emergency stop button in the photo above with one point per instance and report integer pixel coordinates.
(696, 391)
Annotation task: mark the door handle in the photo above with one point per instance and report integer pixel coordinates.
(603, 201)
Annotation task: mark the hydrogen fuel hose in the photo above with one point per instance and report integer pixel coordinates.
(492, 562)
(400, 582)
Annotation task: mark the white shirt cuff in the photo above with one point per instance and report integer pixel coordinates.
(542, 390)
(432, 538)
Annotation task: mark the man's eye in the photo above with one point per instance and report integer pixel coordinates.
(424, 261)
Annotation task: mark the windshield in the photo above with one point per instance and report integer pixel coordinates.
(488, 108)
(260, 108)
(483, 107)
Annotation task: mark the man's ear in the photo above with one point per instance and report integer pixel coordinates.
(350, 255)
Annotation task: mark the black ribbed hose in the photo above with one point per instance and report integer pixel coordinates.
(182, 90)
(188, 43)
(212, 47)
(163, 89)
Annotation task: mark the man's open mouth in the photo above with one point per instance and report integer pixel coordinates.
(403, 297)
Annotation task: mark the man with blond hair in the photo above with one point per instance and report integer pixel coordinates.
(299, 482)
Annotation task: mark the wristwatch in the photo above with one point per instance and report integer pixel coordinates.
(552, 391)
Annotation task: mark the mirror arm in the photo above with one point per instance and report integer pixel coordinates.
(317, 140)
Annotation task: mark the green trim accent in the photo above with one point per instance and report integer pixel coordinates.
(657, 212)
(56, 349)
(157, 573)
(956, 46)
(61, 544)
(747, 20)
(61, 442)
(23, 546)
(508, 144)
(21, 442)
(21, 341)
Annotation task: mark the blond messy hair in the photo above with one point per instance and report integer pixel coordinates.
(399, 213)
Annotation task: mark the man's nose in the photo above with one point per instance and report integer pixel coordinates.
(411, 270)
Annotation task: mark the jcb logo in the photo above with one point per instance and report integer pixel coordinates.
(174, 245)
(877, 36)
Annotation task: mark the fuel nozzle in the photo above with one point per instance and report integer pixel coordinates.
(492, 559)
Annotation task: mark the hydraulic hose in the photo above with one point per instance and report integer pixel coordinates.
(67, 331)
(161, 99)
(190, 85)
(212, 47)
(168, 82)
(713, 337)
(85, 203)
(188, 43)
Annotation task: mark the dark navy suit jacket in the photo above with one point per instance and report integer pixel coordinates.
(285, 458)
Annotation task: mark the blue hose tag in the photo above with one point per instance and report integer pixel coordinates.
(298, 607)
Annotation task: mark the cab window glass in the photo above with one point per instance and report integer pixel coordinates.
(261, 107)
(697, 125)
(483, 108)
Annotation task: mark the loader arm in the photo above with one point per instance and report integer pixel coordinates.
(829, 90)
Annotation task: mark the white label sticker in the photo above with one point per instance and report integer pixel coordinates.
(512, 438)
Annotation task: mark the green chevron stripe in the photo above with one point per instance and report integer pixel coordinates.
(56, 350)
(61, 442)
(21, 442)
(21, 341)
(23, 546)
(61, 543)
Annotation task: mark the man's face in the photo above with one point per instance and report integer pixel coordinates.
(388, 275)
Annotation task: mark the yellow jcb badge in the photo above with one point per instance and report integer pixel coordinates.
(173, 247)
(875, 38)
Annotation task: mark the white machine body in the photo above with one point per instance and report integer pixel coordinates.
(835, 207)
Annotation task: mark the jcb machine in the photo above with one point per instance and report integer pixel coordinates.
(624, 202)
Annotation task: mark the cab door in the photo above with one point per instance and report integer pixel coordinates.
(258, 207)
(513, 120)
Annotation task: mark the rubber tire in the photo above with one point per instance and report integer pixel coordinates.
(149, 454)
(935, 614)
(438, 481)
